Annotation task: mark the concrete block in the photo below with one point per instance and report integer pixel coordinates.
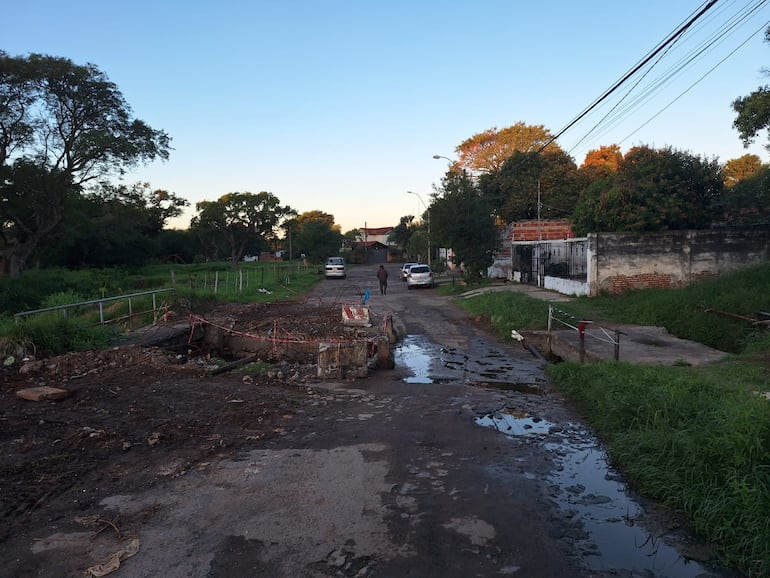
(355, 315)
(342, 360)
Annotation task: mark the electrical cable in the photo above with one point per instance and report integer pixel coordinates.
(614, 116)
(671, 39)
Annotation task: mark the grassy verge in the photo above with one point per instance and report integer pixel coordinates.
(695, 438)
(198, 285)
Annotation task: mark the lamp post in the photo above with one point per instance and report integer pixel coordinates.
(447, 159)
(427, 209)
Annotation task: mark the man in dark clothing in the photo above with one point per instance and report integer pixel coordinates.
(382, 275)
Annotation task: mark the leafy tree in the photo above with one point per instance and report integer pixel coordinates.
(237, 222)
(62, 125)
(315, 234)
(418, 245)
(462, 219)
(735, 170)
(512, 192)
(748, 201)
(601, 162)
(653, 190)
(113, 225)
(487, 151)
(403, 231)
(753, 111)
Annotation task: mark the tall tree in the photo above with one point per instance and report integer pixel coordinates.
(753, 111)
(550, 177)
(315, 235)
(462, 219)
(237, 219)
(487, 151)
(736, 170)
(602, 161)
(653, 190)
(113, 225)
(747, 202)
(403, 231)
(62, 125)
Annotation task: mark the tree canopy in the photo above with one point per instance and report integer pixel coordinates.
(753, 111)
(736, 170)
(512, 192)
(488, 150)
(652, 190)
(62, 125)
(462, 219)
(237, 222)
(313, 234)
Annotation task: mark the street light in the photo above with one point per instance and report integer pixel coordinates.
(427, 209)
(450, 161)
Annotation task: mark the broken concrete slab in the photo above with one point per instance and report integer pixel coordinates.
(343, 360)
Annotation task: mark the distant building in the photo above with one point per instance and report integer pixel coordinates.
(372, 245)
(374, 234)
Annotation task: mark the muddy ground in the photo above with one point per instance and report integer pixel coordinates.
(153, 461)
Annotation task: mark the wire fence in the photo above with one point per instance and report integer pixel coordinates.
(238, 281)
(560, 317)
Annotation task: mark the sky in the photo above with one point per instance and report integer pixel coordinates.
(340, 105)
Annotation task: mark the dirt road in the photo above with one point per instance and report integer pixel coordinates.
(460, 462)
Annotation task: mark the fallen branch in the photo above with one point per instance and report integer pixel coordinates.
(234, 364)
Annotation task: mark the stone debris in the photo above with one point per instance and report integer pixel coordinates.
(42, 393)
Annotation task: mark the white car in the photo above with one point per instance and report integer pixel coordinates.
(335, 267)
(420, 276)
(405, 270)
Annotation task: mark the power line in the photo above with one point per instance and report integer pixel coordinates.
(617, 113)
(666, 42)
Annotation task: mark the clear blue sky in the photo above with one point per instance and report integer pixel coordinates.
(339, 105)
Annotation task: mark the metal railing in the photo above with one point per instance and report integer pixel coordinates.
(556, 315)
(100, 303)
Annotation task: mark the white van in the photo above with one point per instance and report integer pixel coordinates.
(335, 267)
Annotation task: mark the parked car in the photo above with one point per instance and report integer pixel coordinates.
(420, 276)
(405, 270)
(335, 267)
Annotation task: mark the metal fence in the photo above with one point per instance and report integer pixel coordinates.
(565, 258)
(131, 300)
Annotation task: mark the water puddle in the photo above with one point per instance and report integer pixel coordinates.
(514, 423)
(591, 494)
(414, 353)
(485, 366)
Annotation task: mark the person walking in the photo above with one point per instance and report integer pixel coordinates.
(382, 275)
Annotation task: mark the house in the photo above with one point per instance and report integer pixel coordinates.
(371, 245)
(374, 234)
(523, 233)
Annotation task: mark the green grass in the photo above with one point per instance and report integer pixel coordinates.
(695, 438)
(200, 285)
(682, 312)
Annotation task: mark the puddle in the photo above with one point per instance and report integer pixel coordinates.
(591, 494)
(514, 423)
(485, 366)
(413, 353)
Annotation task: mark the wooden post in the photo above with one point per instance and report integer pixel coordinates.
(617, 345)
(582, 333)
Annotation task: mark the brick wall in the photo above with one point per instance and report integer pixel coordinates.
(541, 230)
